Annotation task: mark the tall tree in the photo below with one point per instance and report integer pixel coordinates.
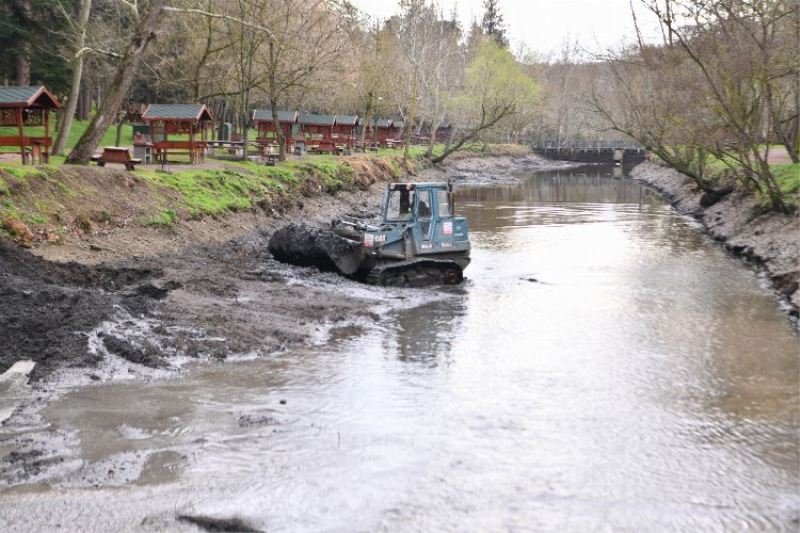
(492, 23)
(65, 124)
(32, 34)
(495, 90)
(308, 37)
(145, 17)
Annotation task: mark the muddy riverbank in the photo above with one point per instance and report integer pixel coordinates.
(208, 289)
(770, 240)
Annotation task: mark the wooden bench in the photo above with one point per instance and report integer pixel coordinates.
(33, 148)
(116, 154)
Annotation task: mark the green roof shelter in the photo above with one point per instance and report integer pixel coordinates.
(23, 106)
(262, 118)
(317, 127)
(344, 129)
(184, 120)
(379, 130)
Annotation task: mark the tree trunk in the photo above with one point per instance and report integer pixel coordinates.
(118, 137)
(367, 118)
(23, 69)
(411, 116)
(143, 34)
(244, 120)
(435, 121)
(281, 137)
(84, 97)
(23, 61)
(65, 124)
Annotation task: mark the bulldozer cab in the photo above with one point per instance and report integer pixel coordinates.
(409, 202)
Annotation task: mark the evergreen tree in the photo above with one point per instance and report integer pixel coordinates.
(492, 23)
(31, 39)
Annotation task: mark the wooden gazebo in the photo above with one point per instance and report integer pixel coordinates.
(443, 132)
(22, 107)
(317, 129)
(344, 129)
(396, 131)
(379, 130)
(184, 120)
(267, 134)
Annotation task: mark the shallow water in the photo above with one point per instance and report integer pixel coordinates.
(606, 366)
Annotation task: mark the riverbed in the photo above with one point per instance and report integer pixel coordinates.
(605, 366)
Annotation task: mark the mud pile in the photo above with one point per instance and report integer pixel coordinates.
(303, 245)
(47, 310)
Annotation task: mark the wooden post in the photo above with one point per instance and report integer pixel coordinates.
(46, 133)
(164, 132)
(191, 143)
(21, 126)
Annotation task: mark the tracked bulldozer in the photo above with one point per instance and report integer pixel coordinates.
(417, 240)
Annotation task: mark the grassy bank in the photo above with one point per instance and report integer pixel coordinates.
(48, 202)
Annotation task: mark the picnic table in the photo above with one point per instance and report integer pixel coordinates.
(116, 154)
(233, 147)
(394, 143)
(324, 147)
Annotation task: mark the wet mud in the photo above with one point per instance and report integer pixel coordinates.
(201, 300)
(48, 309)
(304, 245)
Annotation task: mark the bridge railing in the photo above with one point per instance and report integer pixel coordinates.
(585, 145)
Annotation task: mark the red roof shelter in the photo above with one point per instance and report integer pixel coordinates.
(27, 106)
(178, 119)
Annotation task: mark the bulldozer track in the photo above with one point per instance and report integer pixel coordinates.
(416, 273)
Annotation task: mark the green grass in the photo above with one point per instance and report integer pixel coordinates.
(165, 218)
(187, 192)
(213, 192)
(788, 177)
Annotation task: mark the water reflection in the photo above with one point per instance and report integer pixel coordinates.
(586, 185)
(426, 334)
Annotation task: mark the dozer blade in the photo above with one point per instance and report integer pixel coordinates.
(303, 245)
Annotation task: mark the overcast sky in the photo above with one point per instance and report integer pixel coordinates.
(543, 24)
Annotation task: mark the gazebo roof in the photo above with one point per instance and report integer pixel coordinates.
(265, 115)
(28, 96)
(347, 120)
(380, 123)
(177, 112)
(317, 120)
(399, 124)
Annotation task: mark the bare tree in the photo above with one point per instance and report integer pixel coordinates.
(145, 17)
(65, 124)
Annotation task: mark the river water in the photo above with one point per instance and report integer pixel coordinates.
(605, 367)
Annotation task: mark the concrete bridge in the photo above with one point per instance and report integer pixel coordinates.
(612, 152)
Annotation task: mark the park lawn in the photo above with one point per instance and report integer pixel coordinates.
(78, 127)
